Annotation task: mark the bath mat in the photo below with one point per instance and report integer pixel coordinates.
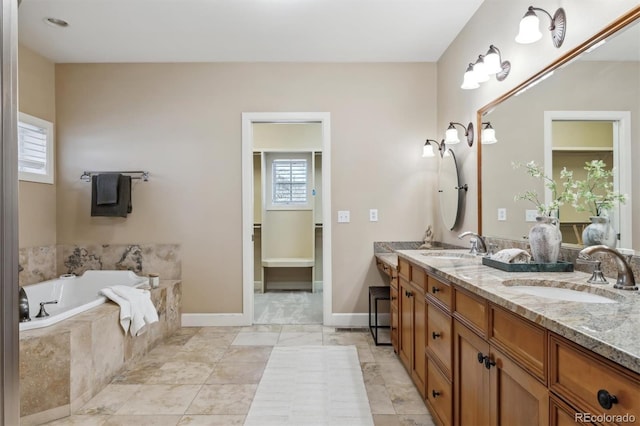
(311, 385)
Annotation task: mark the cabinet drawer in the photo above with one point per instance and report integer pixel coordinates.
(521, 339)
(578, 376)
(403, 269)
(472, 311)
(439, 338)
(560, 413)
(418, 277)
(439, 394)
(439, 291)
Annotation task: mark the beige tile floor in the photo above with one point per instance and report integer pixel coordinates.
(209, 375)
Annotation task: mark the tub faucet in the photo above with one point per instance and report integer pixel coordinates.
(474, 243)
(42, 312)
(625, 280)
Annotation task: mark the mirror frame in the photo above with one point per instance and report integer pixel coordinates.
(615, 26)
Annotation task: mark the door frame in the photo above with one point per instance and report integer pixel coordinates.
(621, 158)
(248, 118)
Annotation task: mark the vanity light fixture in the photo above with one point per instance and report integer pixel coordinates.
(530, 26)
(488, 134)
(469, 80)
(427, 149)
(451, 135)
(495, 65)
(484, 67)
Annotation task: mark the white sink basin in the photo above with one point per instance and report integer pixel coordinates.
(448, 255)
(564, 294)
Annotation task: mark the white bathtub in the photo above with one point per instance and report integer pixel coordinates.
(74, 295)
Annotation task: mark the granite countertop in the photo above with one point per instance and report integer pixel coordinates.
(390, 259)
(609, 329)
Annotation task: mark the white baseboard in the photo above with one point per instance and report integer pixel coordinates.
(213, 320)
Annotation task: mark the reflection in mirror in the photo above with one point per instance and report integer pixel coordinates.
(596, 87)
(448, 190)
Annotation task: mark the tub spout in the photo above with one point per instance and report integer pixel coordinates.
(42, 312)
(625, 280)
(23, 306)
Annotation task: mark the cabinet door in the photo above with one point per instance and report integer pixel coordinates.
(471, 387)
(517, 398)
(394, 328)
(405, 345)
(419, 331)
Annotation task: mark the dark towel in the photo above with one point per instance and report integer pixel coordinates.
(119, 209)
(107, 188)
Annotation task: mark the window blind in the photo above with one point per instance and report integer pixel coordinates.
(32, 148)
(289, 181)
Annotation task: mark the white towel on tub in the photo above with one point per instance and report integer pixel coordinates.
(136, 308)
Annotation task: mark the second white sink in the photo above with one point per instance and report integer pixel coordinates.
(564, 294)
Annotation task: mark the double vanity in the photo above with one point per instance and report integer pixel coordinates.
(485, 346)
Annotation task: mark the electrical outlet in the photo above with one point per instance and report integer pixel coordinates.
(530, 215)
(343, 216)
(502, 214)
(373, 215)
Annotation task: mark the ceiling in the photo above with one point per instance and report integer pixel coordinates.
(243, 30)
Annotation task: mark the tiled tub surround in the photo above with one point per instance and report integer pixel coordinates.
(610, 330)
(66, 364)
(39, 264)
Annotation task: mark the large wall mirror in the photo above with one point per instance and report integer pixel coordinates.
(583, 107)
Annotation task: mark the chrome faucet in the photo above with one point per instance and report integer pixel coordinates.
(626, 280)
(43, 313)
(474, 243)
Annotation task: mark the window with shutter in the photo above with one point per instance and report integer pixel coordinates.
(35, 149)
(289, 182)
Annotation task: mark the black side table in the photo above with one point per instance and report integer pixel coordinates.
(377, 293)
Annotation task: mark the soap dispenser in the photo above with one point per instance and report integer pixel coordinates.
(23, 306)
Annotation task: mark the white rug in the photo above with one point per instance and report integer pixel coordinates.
(311, 385)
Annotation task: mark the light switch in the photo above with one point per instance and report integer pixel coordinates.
(343, 216)
(502, 214)
(373, 215)
(530, 215)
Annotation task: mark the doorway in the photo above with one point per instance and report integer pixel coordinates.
(286, 218)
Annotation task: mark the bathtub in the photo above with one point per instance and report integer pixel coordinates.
(74, 295)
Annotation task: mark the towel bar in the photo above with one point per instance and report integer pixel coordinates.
(86, 175)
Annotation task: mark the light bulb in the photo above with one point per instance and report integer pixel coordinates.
(489, 136)
(480, 71)
(492, 61)
(469, 81)
(451, 136)
(427, 150)
(529, 28)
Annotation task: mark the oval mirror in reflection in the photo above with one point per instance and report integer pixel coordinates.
(448, 193)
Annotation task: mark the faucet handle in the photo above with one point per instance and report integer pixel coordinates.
(474, 246)
(42, 313)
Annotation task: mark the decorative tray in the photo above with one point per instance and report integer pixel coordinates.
(528, 267)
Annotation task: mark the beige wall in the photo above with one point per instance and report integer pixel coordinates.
(182, 122)
(496, 22)
(37, 201)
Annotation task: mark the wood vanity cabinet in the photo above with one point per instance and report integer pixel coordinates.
(412, 322)
(392, 273)
(493, 386)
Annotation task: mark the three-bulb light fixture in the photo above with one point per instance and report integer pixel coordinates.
(485, 66)
(451, 138)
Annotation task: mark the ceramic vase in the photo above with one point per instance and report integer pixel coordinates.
(545, 240)
(599, 231)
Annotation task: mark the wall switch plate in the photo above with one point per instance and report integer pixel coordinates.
(530, 215)
(343, 216)
(373, 215)
(502, 214)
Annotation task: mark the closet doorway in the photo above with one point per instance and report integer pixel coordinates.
(286, 239)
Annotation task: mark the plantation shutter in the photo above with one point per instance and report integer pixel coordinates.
(32, 148)
(289, 181)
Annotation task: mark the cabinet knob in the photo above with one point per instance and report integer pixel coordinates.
(488, 363)
(481, 357)
(434, 290)
(606, 400)
(435, 335)
(435, 393)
